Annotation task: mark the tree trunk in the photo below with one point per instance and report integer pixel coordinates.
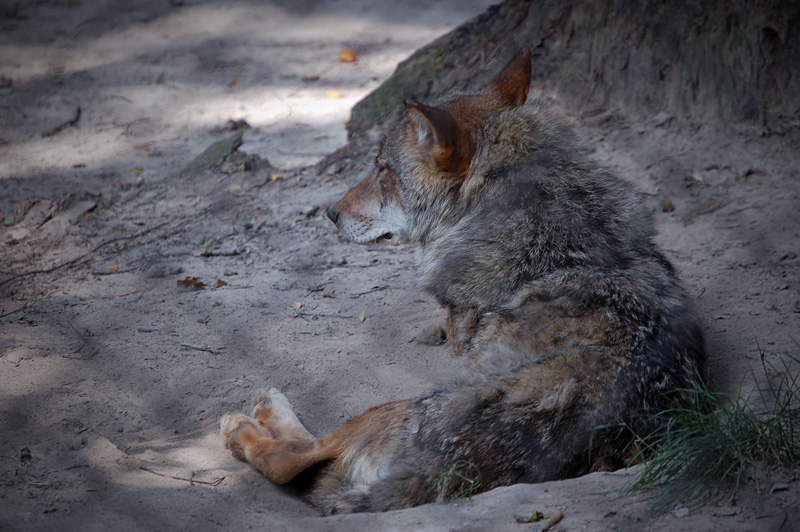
(696, 60)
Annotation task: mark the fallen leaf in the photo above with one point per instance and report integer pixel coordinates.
(191, 283)
(667, 205)
(536, 516)
(112, 267)
(220, 283)
(297, 305)
(348, 55)
(681, 512)
(137, 170)
(363, 315)
(276, 177)
(698, 176)
(211, 244)
(708, 206)
(333, 94)
(233, 82)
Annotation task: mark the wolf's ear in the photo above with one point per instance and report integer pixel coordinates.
(451, 148)
(511, 85)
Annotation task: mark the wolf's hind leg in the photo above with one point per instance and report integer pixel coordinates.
(273, 440)
(278, 460)
(273, 412)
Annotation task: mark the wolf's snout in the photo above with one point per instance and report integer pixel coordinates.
(332, 213)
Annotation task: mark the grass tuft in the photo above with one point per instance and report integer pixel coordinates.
(710, 446)
(461, 480)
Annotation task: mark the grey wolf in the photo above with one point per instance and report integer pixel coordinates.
(568, 316)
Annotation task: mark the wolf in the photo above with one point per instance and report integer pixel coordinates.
(569, 318)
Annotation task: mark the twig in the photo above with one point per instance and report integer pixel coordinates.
(211, 427)
(201, 348)
(555, 518)
(312, 315)
(81, 257)
(23, 308)
(94, 352)
(315, 289)
(216, 482)
(68, 123)
(112, 272)
(83, 339)
(374, 289)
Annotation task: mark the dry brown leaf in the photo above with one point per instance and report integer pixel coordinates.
(191, 283)
(112, 267)
(220, 283)
(348, 55)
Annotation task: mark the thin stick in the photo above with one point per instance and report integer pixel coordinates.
(376, 289)
(81, 257)
(555, 518)
(65, 125)
(201, 348)
(191, 481)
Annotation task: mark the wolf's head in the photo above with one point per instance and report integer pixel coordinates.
(426, 159)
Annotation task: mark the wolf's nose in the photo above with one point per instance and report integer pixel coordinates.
(333, 214)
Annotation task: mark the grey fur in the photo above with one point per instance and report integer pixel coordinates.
(570, 316)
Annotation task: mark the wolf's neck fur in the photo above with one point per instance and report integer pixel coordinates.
(532, 205)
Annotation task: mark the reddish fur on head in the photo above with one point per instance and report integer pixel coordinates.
(512, 84)
(449, 129)
(443, 140)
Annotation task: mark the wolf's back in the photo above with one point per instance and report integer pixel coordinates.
(570, 318)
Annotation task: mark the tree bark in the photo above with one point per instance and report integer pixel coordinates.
(695, 60)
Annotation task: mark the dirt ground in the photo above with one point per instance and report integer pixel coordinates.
(114, 373)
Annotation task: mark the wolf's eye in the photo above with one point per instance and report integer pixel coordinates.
(385, 167)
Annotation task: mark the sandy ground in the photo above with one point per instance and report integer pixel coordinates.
(113, 376)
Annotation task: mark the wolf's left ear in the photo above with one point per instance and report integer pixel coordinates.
(451, 147)
(511, 85)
